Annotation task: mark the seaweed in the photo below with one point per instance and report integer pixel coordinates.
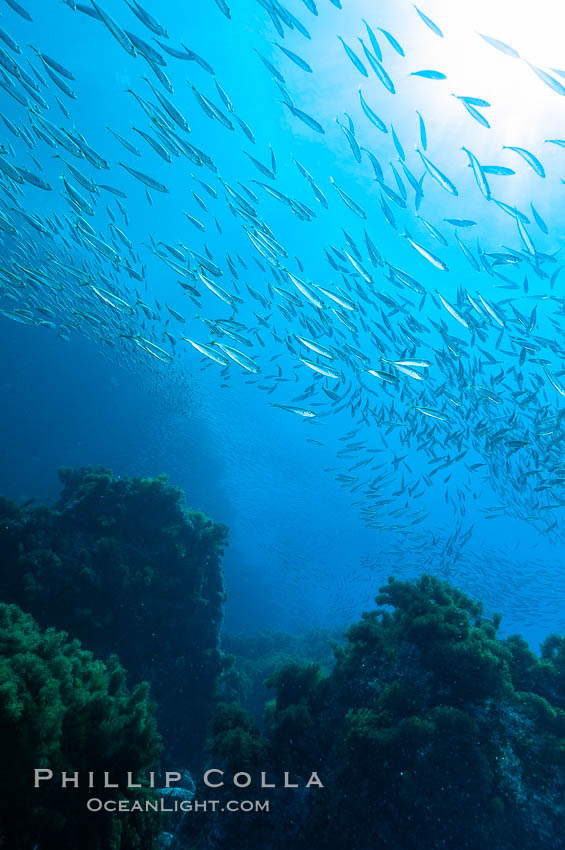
(124, 566)
(63, 710)
(250, 660)
(429, 732)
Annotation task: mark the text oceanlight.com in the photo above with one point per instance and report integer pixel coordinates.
(95, 804)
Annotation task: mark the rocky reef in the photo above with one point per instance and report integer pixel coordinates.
(429, 732)
(61, 709)
(123, 565)
(250, 660)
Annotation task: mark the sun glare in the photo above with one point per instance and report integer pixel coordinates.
(534, 31)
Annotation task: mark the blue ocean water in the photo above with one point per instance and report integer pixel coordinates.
(452, 465)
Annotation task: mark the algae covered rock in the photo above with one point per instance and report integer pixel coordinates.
(123, 565)
(429, 733)
(251, 659)
(62, 710)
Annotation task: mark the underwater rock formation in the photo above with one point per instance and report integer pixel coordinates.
(122, 565)
(250, 659)
(61, 709)
(430, 732)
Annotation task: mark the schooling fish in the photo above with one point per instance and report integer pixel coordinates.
(321, 370)
(53, 64)
(115, 29)
(434, 414)
(77, 199)
(195, 57)
(311, 6)
(86, 182)
(147, 19)
(526, 155)
(315, 346)
(480, 178)
(225, 99)
(397, 199)
(19, 10)
(429, 75)
(351, 139)
(299, 411)
(392, 41)
(550, 81)
(127, 145)
(148, 52)
(208, 351)
(539, 220)
(423, 134)
(473, 101)
(553, 380)
(474, 113)
(157, 147)
(500, 170)
(500, 45)
(469, 256)
(224, 8)
(240, 358)
(270, 67)
(387, 212)
(145, 178)
(429, 23)
(9, 41)
(437, 234)
(210, 109)
(246, 129)
(305, 118)
(374, 43)
(295, 58)
(306, 290)
(452, 311)
(298, 25)
(340, 298)
(354, 58)
(431, 258)
(259, 165)
(33, 179)
(461, 222)
(378, 69)
(169, 108)
(354, 207)
(397, 145)
(437, 175)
